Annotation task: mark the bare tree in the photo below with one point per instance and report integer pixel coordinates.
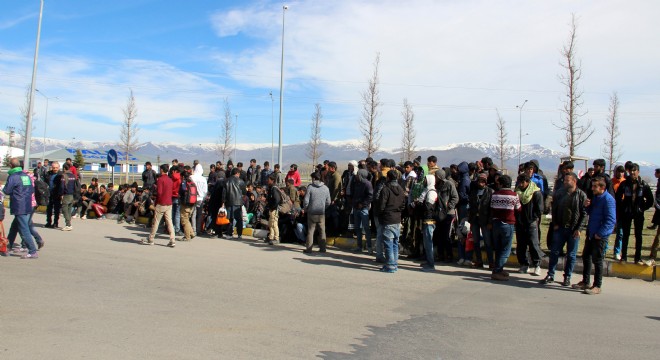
(612, 149)
(22, 128)
(369, 124)
(504, 152)
(575, 131)
(226, 132)
(129, 129)
(314, 147)
(409, 135)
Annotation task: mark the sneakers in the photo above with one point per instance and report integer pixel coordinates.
(171, 244)
(49, 226)
(499, 277)
(427, 268)
(84, 217)
(617, 257)
(67, 228)
(592, 291)
(75, 216)
(307, 251)
(580, 286)
(467, 263)
(547, 280)
(387, 269)
(649, 262)
(534, 271)
(523, 269)
(273, 242)
(30, 256)
(40, 244)
(460, 262)
(567, 282)
(146, 242)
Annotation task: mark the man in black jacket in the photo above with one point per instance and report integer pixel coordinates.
(233, 201)
(633, 197)
(527, 233)
(568, 216)
(274, 199)
(479, 216)
(149, 177)
(361, 196)
(391, 203)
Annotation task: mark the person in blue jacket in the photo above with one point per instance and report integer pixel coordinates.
(19, 188)
(602, 218)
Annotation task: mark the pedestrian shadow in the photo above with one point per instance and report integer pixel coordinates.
(123, 240)
(318, 260)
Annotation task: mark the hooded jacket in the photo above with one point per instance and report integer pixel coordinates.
(428, 199)
(19, 188)
(202, 187)
(317, 198)
(363, 192)
(391, 203)
(463, 186)
(531, 211)
(447, 193)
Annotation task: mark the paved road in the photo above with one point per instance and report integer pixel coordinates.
(95, 293)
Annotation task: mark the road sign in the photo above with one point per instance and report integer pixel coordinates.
(112, 157)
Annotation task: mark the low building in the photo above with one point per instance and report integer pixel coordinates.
(95, 160)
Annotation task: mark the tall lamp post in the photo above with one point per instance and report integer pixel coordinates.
(520, 107)
(28, 123)
(279, 149)
(43, 154)
(272, 130)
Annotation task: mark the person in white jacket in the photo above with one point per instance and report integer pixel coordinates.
(202, 189)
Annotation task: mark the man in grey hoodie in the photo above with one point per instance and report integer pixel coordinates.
(317, 199)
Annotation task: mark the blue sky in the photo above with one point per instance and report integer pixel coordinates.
(455, 62)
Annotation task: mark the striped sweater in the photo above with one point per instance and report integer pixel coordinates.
(504, 204)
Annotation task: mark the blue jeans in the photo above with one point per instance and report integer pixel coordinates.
(502, 237)
(391, 244)
(361, 220)
(235, 214)
(176, 215)
(23, 223)
(427, 236)
(379, 239)
(482, 233)
(561, 237)
(13, 231)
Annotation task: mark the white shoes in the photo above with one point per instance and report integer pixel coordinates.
(67, 228)
(535, 271)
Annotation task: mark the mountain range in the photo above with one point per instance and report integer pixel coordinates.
(338, 151)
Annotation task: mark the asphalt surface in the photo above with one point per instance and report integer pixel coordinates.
(95, 293)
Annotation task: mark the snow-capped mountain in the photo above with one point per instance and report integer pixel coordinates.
(339, 151)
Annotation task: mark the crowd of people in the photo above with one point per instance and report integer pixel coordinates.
(392, 209)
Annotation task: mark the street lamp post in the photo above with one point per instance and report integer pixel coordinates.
(272, 129)
(520, 107)
(43, 154)
(279, 154)
(28, 122)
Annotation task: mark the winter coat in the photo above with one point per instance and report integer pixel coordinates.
(447, 193)
(19, 188)
(149, 178)
(531, 212)
(317, 198)
(480, 206)
(363, 192)
(334, 185)
(263, 177)
(391, 202)
(463, 186)
(578, 211)
(295, 175)
(234, 191)
(202, 188)
(602, 215)
(624, 198)
(253, 175)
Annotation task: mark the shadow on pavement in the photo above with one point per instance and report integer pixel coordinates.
(653, 317)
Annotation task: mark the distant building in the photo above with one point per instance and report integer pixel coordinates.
(95, 160)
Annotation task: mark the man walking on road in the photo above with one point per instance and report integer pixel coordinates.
(19, 187)
(233, 200)
(163, 207)
(602, 218)
(68, 192)
(317, 199)
(568, 216)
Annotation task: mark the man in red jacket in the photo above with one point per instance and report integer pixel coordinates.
(163, 207)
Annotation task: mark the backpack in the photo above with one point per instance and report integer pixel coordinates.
(41, 192)
(286, 205)
(439, 210)
(189, 194)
